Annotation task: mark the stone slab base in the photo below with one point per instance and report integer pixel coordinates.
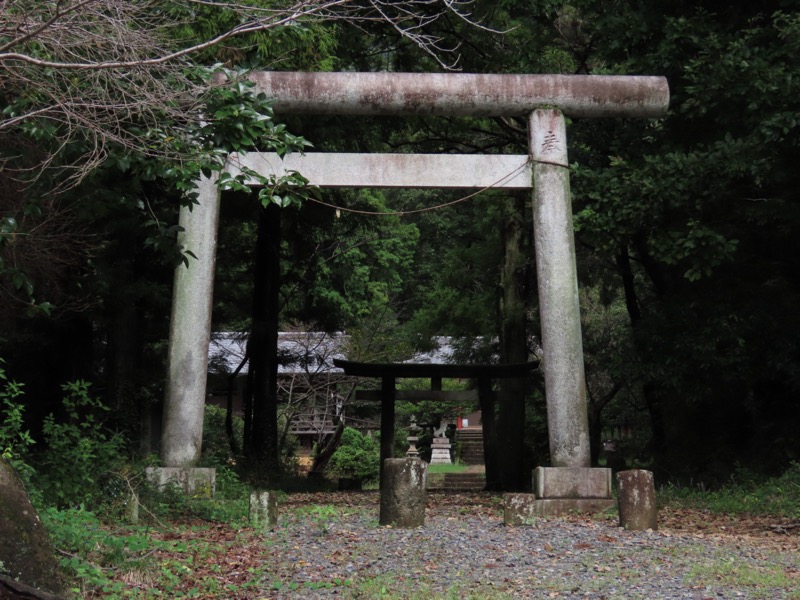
(563, 490)
(563, 506)
(194, 482)
(571, 482)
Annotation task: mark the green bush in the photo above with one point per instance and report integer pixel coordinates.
(14, 439)
(357, 457)
(79, 452)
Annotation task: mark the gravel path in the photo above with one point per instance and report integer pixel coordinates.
(322, 549)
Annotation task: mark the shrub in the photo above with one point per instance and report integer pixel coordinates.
(80, 453)
(14, 439)
(357, 457)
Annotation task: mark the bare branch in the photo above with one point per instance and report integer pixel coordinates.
(111, 72)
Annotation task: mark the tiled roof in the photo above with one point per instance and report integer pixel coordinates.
(308, 352)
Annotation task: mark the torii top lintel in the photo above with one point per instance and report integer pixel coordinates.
(462, 94)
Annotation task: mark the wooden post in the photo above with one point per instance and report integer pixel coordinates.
(387, 422)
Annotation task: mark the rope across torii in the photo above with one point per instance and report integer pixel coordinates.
(543, 99)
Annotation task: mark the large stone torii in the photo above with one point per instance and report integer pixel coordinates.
(545, 100)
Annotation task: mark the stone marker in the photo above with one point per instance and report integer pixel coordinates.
(404, 492)
(263, 509)
(637, 500)
(519, 509)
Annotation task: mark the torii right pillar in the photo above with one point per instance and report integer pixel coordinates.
(569, 484)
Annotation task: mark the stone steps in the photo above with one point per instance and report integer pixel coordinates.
(457, 482)
(471, 442)
(472, 454)
(464, 481)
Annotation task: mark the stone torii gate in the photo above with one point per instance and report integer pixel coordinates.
(544, 100)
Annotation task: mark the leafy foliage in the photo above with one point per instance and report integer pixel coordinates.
(15, 440)
(357, 457)
(80, 451)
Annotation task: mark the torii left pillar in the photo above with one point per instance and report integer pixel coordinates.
(187, 361)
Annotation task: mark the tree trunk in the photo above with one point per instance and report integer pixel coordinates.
(513, 349)
(11, 589)
(650, 391)
(123, 350)
(596, 407)
(323, 456)
(261, 443)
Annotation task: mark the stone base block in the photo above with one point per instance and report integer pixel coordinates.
(571, 482)
(519, 509)
(263, 509)
(440, 456)
(194, 482)
(563, 506)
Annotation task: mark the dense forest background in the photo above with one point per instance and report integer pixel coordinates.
(686, 226)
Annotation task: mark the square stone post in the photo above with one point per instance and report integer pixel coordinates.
(190, 330)
(554, 239)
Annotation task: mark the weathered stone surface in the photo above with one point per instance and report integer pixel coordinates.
(263, 509)
(564, 482)
(565, 506)
(194, 482)
(404, 492)
(190, 330)
(462, 94)
(441, 171)
(557, 282)
(25, 551)
(637, 500)
(519, 509)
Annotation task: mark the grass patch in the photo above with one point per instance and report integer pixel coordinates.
(451, 468)
(762, 580)
(390, 587)
(744, 494)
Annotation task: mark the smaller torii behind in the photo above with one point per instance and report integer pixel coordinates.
(545, 100)
(389, 373)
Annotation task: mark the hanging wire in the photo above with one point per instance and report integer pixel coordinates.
(401, 213)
